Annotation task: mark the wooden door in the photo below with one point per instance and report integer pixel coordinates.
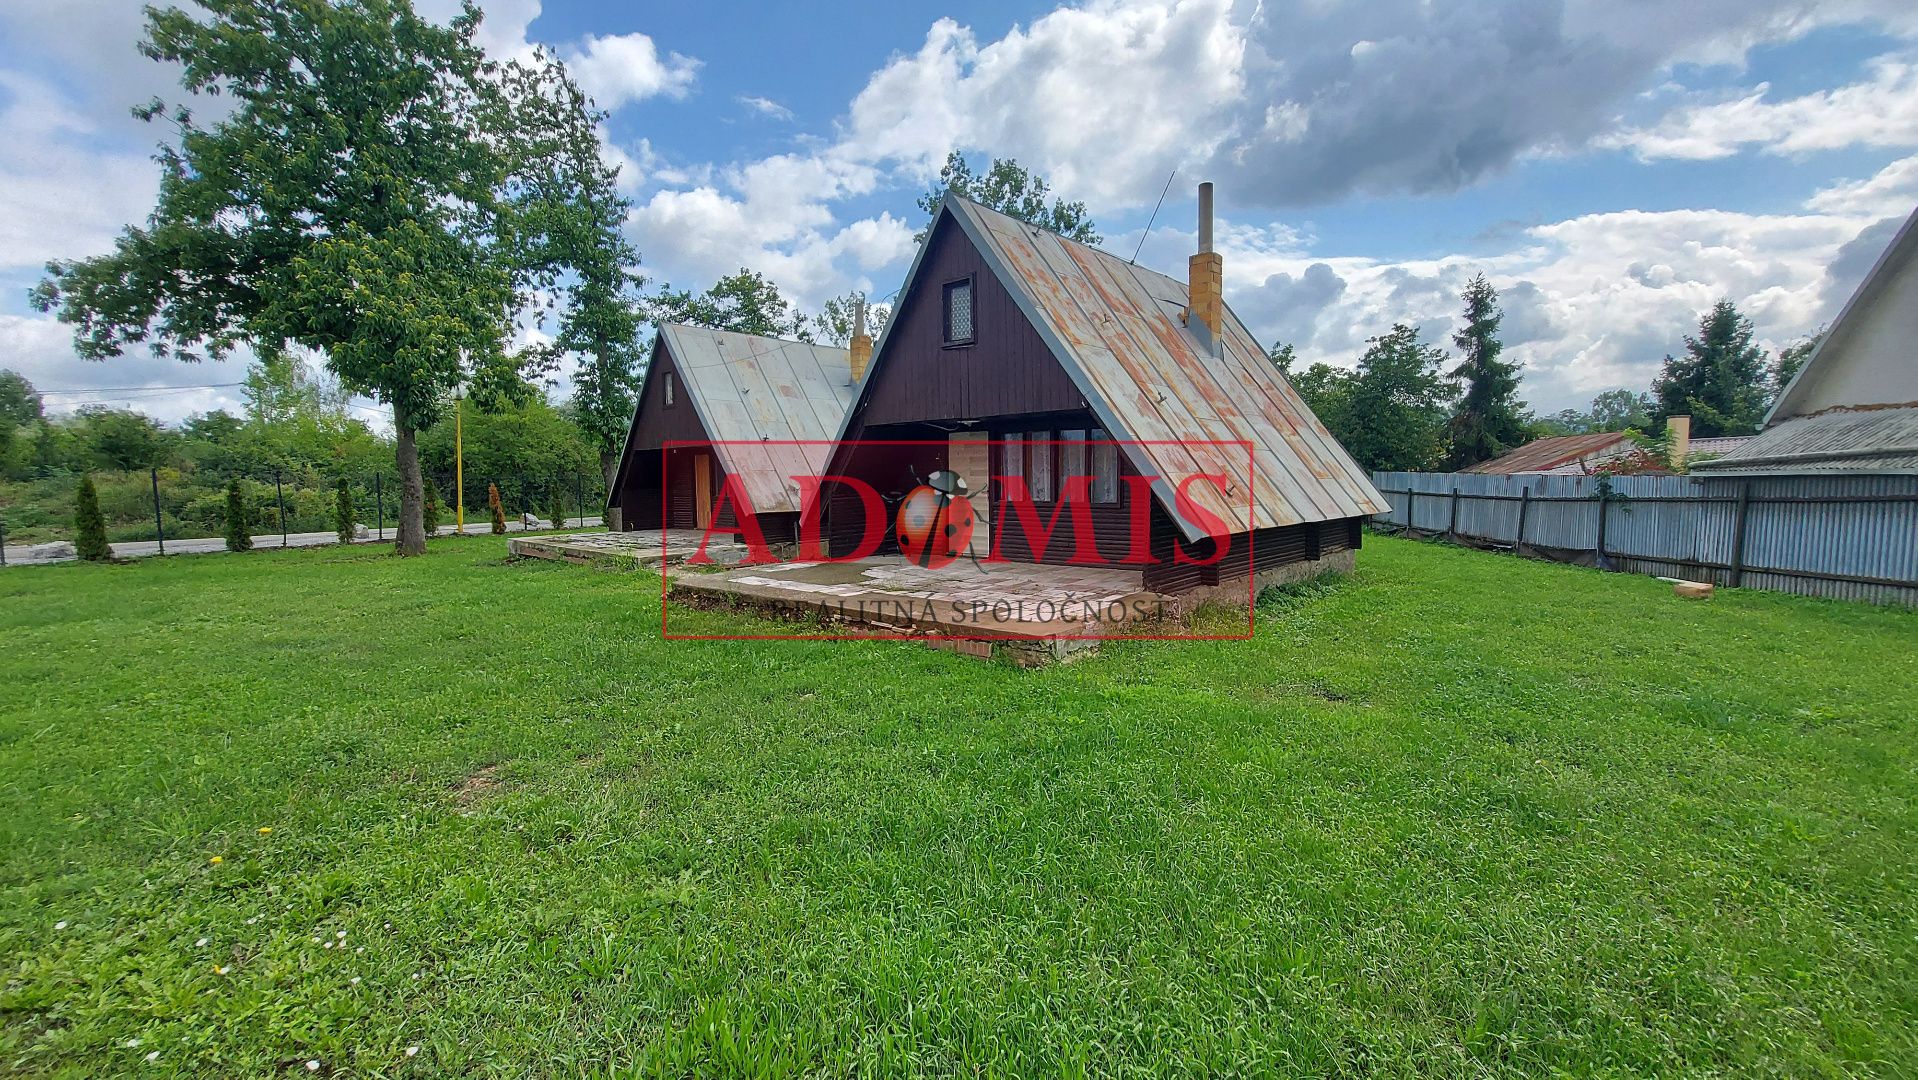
(702, 490)
(967, 453)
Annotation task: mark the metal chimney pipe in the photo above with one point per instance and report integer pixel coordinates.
(1205, 216)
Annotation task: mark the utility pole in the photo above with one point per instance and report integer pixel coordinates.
(459, 464)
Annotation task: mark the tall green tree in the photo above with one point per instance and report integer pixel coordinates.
(89, 527)
(360, 199)
(1720, 382)
(1396, 410)
(1011, 189)
(1617, 410)
(575, 196)
(833, 324)
(1490, 419)
(1282, 356)
(1791, 358)
(122, 439)
(746, 303)
(20, 411)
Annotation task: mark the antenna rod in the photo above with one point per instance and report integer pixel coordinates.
(1134, 260)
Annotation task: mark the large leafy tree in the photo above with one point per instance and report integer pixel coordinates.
(747, 303)
(364, 198)
(1490, 419)
(572, 196)
(1720, 381)
(1791, 358)
(1396, 405)
(833, 324)
(1011, 189)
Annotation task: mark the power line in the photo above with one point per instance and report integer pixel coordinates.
(138, 389)
(1134, 260)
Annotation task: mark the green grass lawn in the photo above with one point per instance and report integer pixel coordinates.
(1460, 814)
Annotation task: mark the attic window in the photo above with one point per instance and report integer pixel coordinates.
(958, 312)
(666, 386)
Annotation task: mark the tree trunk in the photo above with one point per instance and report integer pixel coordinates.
(411, 537)
(608, 465)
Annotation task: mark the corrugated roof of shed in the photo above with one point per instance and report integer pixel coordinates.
(1543, 455)
(1117, 329)
(754, 396)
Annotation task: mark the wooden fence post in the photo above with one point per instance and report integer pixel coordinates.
(1411, 508)
(1524, 504)
(1451, 530)
(1738, 534)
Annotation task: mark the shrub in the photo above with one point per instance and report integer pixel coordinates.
(89, 528)
(238, 535)
(499, 512)
(559, 508)
(430, 510)
(343, 511)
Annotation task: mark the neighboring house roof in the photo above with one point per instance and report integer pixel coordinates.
(755, 396)
(1853, 407)
(1117, 330)
(1562, 452)
(1842, 440)
(1717, 446)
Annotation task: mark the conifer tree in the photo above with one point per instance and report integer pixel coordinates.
(343, 512)
(499, 512)
(1490, 418)
(430, 511)
(239, 535)
(89, 528)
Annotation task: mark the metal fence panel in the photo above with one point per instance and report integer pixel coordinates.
(1852, 537)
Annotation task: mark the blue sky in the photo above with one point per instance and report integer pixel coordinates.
(1613, 167)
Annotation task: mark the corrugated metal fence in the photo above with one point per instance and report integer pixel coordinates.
(1853, 537)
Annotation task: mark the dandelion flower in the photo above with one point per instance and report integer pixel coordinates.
(411, 1050)
(265, 829)
(61, 925)
(216, 860)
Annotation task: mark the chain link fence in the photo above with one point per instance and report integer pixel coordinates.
(156, 510)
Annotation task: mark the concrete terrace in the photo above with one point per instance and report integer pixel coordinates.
(1043, 612)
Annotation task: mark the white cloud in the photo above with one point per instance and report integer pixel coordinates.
(1892, 191)
(1881, 111)
(1592, 302)
(622, 69)
(765, 106)
(61, 195)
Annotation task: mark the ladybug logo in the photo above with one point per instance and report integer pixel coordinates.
(935, 521)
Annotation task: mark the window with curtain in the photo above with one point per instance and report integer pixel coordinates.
(1072, 456)
(1039, 465)
(1105, 468)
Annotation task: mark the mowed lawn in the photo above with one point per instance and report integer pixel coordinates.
(1459, 814)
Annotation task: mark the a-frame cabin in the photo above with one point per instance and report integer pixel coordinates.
(1008, 332)
(761, 410)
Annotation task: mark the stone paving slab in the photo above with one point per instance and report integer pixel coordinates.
(1005, 602)
(642, 547)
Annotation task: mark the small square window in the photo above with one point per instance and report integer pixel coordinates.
(666, 387)
(959, 312)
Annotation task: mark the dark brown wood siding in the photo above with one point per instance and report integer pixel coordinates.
(636, 485)
(1006, 371)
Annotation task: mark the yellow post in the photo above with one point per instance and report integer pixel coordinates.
(459, 469)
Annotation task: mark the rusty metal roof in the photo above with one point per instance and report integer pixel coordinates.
(1117, 330)
(1558, 452)
(754, 395)
(1869, 440)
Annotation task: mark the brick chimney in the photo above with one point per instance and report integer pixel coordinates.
(861, 344)
(1680, 429)
(1205, 313)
